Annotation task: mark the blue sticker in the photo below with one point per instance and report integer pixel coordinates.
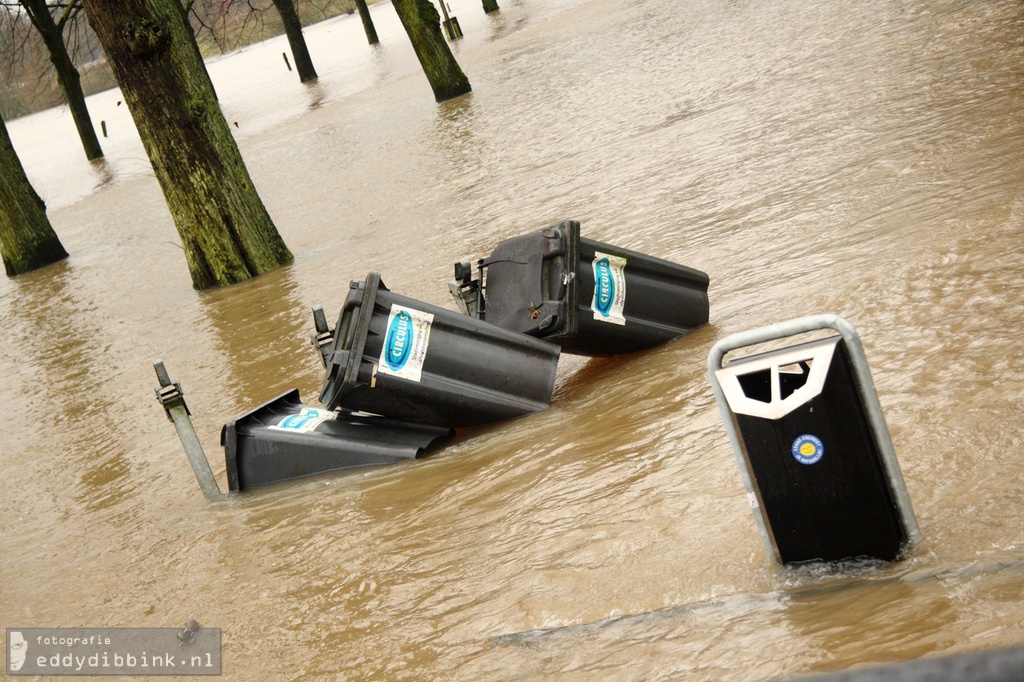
(406, 342)
(295, 421)
(399, 340)
(604, 287)
(808, 449)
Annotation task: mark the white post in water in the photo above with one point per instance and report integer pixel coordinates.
(171, 397)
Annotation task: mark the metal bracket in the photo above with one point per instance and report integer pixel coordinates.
(171, 397)
(169, 393)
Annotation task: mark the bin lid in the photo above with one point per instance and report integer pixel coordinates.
(345, 352)
(530, 285)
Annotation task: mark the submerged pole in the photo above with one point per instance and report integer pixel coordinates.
(170, 395)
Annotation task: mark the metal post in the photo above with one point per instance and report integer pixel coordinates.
(170, 395)
(451, 24)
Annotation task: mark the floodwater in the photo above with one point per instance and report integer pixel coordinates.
(864, 159)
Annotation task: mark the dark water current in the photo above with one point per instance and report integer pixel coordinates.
(864, 159)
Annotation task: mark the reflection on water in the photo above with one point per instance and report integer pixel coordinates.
(61, 349)
(317, 95)
(863, 160)
(262, 330)
(103, 173)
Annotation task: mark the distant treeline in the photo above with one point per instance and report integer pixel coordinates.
(27, 78)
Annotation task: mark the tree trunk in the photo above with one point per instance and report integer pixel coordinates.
(27, 240)
(490, 6)
(293, 29)
(67, 74)
(423, 24)
(224, 227)
(364, 14)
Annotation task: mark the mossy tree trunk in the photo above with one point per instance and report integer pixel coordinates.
(490, 6)
(27, 240)
(364, 14)
(68, 78)
(423, 25)
(293, 30)
(225, 229)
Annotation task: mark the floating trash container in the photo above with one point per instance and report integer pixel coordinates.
(398, 357)
(284, 439)
(812, 444)
(588, 297)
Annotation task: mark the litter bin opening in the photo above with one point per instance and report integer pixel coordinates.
(758, 385)
(772, 384)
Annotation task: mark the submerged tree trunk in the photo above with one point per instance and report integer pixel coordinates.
(364, 14)
(293, 29)
(226, 232)
(27, 240)
(490, 6)
(67, 75)
(423, 24)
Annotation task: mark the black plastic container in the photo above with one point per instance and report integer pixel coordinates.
(815, 452)
(284, 439)
(589, 297)
(398, 357)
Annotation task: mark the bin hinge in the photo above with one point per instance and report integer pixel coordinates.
(323, 336)
(468, 292)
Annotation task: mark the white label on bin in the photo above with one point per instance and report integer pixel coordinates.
(305, 421)
(405, 343)
(609, 288)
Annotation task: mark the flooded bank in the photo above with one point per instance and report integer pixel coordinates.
(860, 160)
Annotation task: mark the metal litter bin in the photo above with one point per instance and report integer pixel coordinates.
(812, 444)
(588, 297)
(284, 439)
(398, 357)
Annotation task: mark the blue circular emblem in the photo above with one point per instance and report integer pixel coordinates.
(398, 341)
(808, 449)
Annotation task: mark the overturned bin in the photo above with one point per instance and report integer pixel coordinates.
(588, 297)
(398, 357)
(812, 445)
(284, 439)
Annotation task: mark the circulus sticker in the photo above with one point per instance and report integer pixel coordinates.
(808, 449)
(398, 342)
(609, 288)
(405, 343)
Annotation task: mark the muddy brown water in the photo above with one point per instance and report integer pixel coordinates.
(864, 159)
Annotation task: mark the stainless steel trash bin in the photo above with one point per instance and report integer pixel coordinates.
(812, 444)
